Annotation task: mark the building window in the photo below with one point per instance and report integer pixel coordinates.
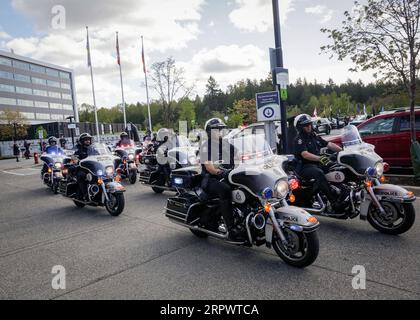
(52, 72)
(57, 106)
(23, 90)
(21, 77)
(57, 117)
(52, 94)
(8, 101)
(43, 116)
(41, 104)
(25, 103)
(53, 84)
(21, 65)
(38, 69)
(67, 107)
(6, 75)
(65, 86)
(41, 93)
(5, 61)
(39, 81)
(28, 115)
(66, 96)
(64, 75)
(7, 88)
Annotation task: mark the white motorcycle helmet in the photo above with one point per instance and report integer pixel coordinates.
(162, 134)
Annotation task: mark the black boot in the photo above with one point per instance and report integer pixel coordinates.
(236, 234)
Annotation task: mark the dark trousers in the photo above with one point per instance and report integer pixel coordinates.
(217, 189)
(81, 183)
(312, 171)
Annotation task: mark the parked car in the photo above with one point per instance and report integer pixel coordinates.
(359, 119)
(322, 125)
(337, 124)
(390, 134)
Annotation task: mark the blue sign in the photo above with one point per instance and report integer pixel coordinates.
(268, 106)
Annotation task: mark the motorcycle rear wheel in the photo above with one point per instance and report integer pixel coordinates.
(294, 256)
(404, 211)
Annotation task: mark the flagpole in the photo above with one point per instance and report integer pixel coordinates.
(147, 87)
(122, 86)
(93, 86)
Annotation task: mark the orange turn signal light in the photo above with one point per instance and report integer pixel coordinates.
(49, 170)
(267, 207)
(312, 220)
(368, 184)
(292, 198)
(100, 181)
(410, 194)
(382, 179)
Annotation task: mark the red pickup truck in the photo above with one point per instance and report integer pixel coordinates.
(390, 134)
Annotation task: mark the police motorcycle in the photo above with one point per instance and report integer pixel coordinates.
(259, 191)
(102, 190)
(54, 161)
(358, 171)
(160, 159)
(126, 166)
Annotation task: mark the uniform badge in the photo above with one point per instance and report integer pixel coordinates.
(300, 141)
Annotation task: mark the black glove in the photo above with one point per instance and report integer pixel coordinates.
(223, 174)
(326, 161)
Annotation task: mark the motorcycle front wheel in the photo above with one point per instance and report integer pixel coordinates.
(133, 177)
(116, 204)
(302, 249)
(397, 219)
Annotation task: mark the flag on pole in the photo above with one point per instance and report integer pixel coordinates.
(142, 56)
(315, 113)
(364, 109)
(118, 51)
(89, 62)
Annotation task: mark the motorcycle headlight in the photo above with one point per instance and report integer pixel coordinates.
(109, 171)
(131, 156)
(282, 189)
(379, 167)
(57, 165)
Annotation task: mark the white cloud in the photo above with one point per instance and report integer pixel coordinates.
(257, 15)
(165, 24)
(228, 64)
(4, 35)
(322, 11)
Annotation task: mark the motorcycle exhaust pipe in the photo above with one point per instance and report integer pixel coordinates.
(210, 233)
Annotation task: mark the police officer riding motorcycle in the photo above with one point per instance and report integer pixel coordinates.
(211, 154)
(53, 159)
(311, 164)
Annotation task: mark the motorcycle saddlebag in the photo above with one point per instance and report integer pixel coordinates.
(177, 207)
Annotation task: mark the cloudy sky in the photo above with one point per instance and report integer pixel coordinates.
(228, 39)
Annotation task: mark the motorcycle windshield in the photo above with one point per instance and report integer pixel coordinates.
(99, 158)
(351, 137)
(251, 149)
(357, 155)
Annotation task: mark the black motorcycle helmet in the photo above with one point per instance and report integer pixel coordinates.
(84, 137)
(52, 141)
(302, 121)
(213, 124)
(124, 135)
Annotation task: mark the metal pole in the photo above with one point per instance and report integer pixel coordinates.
(94, 98)
(122, 93)
(147, 91)
(279, 62)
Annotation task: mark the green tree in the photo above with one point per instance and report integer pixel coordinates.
(384, 36)
(187, 111)
(15, 127)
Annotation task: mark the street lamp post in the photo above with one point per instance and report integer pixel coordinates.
(279, 64)
(71, 130)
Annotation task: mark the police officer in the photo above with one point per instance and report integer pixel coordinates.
(162, 145)
(53, 147)
(308, 147)
(124, 140)
(82, 152)
(212, 151)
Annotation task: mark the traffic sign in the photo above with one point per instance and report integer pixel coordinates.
(268, 106)
(71, 126)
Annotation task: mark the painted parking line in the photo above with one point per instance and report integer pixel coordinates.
(22, 172)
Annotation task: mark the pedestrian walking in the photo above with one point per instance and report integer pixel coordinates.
(16, 151)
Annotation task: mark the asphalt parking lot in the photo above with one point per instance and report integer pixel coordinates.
(141, 255)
